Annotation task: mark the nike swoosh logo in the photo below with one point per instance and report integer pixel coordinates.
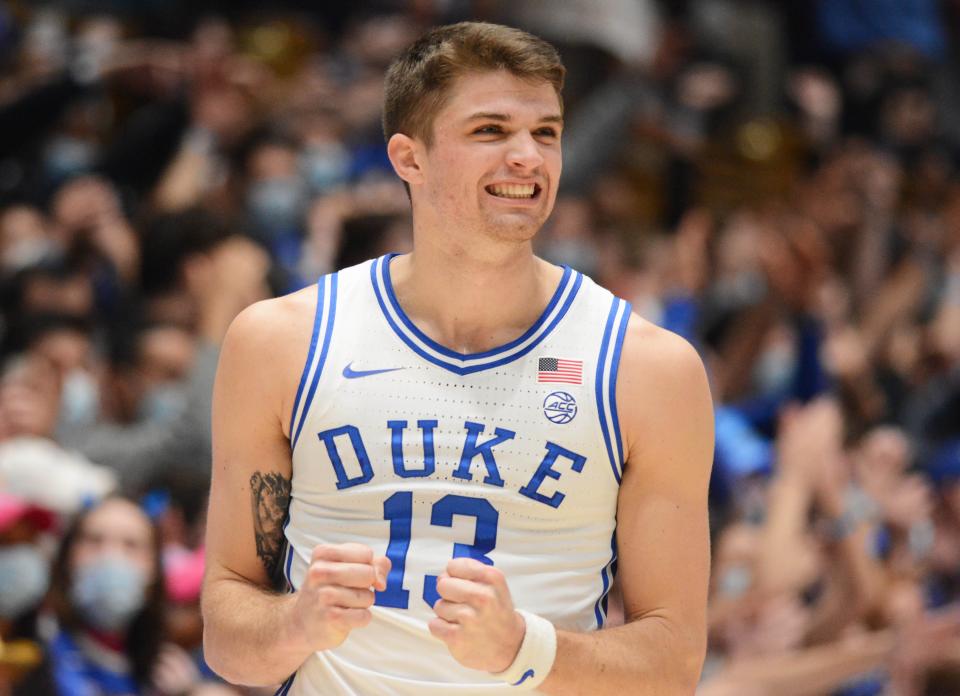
(355, 374)
(526, 675)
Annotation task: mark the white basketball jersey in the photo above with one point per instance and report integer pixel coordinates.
(511, 456)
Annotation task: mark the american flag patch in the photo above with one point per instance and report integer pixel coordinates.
(560, 370)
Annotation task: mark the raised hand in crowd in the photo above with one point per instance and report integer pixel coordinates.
(232, 277)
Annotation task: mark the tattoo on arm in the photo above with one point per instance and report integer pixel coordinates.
(271, 499)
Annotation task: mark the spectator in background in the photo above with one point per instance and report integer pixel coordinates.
(24, 238)
(198, 274)
(276, 199)
(808, 247)
(23, 567)
(24, 578)
(107, 596)
(32, 463)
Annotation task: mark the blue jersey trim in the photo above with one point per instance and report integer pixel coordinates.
(286, 568)
(330, 314)
(607, 575)
(313, 348)
(289, 553)
(614, 369)
(597, 609)
(464, 357)
(287, 565)
(611, 345)
(600, 383)
(470, 369)
(285, 687)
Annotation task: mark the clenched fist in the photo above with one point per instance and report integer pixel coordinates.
(475, 616)
(337, 593)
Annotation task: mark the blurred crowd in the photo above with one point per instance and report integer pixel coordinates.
(778, 182)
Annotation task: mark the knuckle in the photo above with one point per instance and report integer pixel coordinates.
(321, 572)
(320, 552)
(442, 629)
(327, 595)
(361, 551)
(493, 575)
(482, 599)
(368, 576)
(361, 617)
(441, 608)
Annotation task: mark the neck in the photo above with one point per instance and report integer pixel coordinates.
(470, 302)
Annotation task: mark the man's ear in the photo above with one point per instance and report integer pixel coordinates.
(404, 153)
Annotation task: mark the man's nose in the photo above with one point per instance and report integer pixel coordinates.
(524, 151)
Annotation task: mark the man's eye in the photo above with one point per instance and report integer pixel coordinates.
(488, 130)
(547, 132)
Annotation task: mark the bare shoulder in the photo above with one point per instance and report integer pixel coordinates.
(662, 386)
(266, 347)
(270, 324)
(652, 355)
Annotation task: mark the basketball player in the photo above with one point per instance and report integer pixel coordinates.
(446, 456)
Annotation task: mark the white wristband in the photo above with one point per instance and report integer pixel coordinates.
(535, 657)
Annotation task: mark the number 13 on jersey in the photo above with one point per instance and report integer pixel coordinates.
(398, 509)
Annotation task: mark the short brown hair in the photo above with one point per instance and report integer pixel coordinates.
(418, 81)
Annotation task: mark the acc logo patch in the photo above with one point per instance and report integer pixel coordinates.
(559, 407)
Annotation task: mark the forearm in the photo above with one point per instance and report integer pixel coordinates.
(182, 183)
(812, 671)
(898, 296)
(864, 576)
(647, 656)
(740, 350)
(247, 636)
(789, 501)
(854, 576)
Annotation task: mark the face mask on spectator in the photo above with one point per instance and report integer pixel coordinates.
(325, 166)
(573, 252)
(24, 577)
(920, 539)
(774, 370)
(739, 290)
(163, 403)
(277, 204)
(648, 306)
(735, 581)
(80, 401)
(109, 592)
(66, 156)
(26, 253)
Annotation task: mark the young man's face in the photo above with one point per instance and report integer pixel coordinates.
(494, 164)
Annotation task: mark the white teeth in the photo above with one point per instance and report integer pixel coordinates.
(513, 190)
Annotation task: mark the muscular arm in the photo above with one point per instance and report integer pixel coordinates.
(248, 633)
(662, 531)
(270, 497)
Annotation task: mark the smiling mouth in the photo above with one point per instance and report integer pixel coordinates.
(514, 191)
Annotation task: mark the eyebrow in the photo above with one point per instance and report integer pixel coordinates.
(493, 116)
